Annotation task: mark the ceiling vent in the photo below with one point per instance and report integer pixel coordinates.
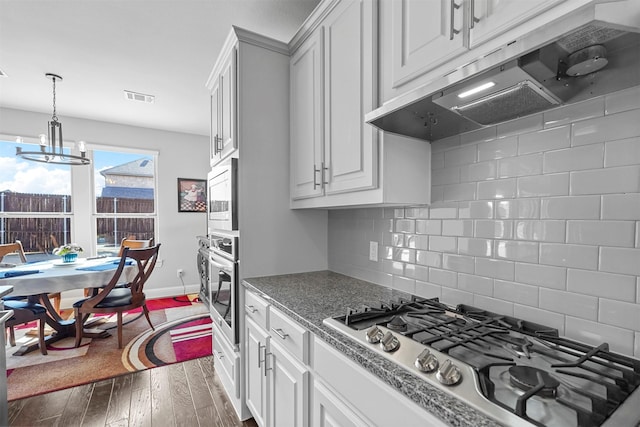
(140, 97)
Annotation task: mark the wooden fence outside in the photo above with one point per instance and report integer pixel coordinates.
(45, 234)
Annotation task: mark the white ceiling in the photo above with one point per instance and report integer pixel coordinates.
(165, 48)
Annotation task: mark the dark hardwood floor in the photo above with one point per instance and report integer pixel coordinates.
(183, 394)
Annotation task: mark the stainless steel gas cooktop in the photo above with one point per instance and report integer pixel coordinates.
(514, 371)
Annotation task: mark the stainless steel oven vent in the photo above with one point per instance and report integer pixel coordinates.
(517, 101)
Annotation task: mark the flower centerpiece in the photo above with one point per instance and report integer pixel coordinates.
(68, 252)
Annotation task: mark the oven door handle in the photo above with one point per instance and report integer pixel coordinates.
(225, 268)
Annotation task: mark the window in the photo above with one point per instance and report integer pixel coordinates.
(125, 198)
(36, 200)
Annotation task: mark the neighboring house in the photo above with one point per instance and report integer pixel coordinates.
(132, 180)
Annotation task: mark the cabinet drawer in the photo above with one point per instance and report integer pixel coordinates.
(226, 364)
(256, 308)
(293, 337)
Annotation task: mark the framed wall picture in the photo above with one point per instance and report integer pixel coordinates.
(192, 195)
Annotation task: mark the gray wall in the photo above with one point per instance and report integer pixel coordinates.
(537, 218)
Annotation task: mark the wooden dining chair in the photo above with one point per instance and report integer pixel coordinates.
(117, 300)
(134, 244)
(23, 310)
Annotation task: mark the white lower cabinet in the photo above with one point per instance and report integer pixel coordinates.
(256, 349)
(329, 411)
(288, 390)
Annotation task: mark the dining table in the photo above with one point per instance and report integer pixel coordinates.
(38, 279)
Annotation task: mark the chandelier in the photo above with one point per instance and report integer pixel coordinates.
(53, 152)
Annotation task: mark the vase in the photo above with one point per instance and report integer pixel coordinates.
(69, 257)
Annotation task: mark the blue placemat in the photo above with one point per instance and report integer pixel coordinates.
(15, 273)
(108, 266)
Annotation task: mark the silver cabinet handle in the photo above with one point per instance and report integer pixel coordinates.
(265, 361)
(324, 170)
(453, 31)
(260, 348)
(474, 20)
(216, 148)
(250, 308)
(279, 332)
(315, 171)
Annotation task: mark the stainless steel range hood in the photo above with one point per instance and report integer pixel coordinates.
(591, 53)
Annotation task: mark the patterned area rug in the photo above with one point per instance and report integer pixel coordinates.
(182, 332)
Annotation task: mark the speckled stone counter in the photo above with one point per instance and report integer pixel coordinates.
(309, 298)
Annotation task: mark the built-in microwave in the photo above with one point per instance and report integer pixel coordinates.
(223, 196)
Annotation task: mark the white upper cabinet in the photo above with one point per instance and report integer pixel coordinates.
(223, 87)
(306, 118)
(423, 35)
(489, 18)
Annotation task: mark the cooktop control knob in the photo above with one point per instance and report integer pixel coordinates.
(389, 342)
(374, 335)
(426, 361)
(449, 374)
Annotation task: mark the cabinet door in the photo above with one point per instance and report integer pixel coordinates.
(306, 118)
(489, 18)
(350, 145)
(256, 350)
(229, 141)
(331, 411)
(425, 34)
(288, 390)
(215, 124)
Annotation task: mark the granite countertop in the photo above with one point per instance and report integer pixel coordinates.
(309, 298)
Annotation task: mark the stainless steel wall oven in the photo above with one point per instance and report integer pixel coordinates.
(224, 284)
(223, 196)
(203, 269)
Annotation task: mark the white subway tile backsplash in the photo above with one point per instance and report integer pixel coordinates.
(544, 140)
(480, 135)
(475, 284)
(620, 260)
(622, 153)
(619, 313)
(456, 296)
(494, 229)
(563, 255)
(603, 285)
(443, 211)
(437, 160)
(516, 250)
(475, 247)
(494, 305)
(593, 333)
(579, 111)
(383, 226)
(476, 209)
(405, 226)
(418, 272)
(498, 149)
(622, 101)
(624, 179)
(428, 290)
(583, 207)
(442, 244)
(516, 292)
(541, 275)
(543, 231)
(459, 263)
(443, 277)
(478, 171)
(520, 126)
(445, 144)
(429, 226)
(573, 159)
(498, 189)
(437, 193)
(455, 192)
(404, 284)
(445, 176)
(602, 233)
(495, 268)
(520, 166)
(542, 317)
(638, 290)
(417, 212)
(621, 206)
(457, 227)
(636, 348)
(417, 241)
(460, 156)
(543, 185)
(518, 209)
(404, 255)
(431, 259)
(610, 127)
(392, 267)
(583, 306)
